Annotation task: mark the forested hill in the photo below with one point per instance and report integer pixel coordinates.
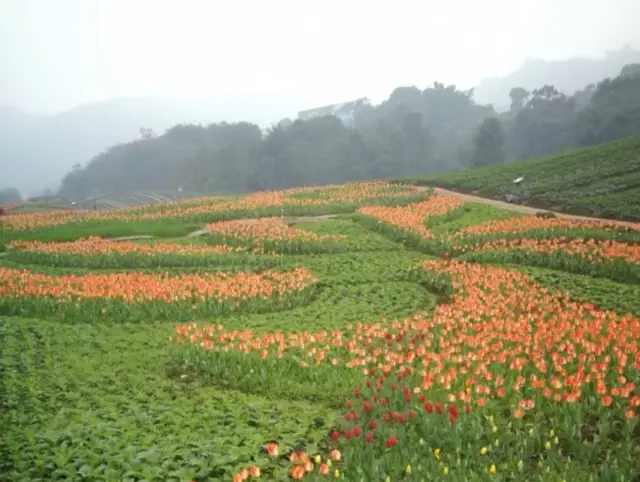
(413, 132)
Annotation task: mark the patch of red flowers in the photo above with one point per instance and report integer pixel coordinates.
(391, 415)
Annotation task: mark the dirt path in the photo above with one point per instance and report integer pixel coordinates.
(524, 209)
(133, 238)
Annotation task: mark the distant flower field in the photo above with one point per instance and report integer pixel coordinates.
(298, 200)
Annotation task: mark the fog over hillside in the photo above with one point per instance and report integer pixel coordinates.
(36, 151)
(82, 76)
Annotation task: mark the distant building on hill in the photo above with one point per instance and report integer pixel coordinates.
(344, 111)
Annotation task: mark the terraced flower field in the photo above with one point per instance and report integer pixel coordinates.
(181, 217)
(412, 336)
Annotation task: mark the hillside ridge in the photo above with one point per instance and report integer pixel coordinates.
(602, 181)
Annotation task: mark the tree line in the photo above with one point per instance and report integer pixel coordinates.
(413, 132)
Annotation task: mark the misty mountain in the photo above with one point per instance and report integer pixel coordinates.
(567, 76)
(37, 151)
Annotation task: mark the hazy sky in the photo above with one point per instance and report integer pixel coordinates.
(55, 54)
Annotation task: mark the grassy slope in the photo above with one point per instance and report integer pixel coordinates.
(601, 181)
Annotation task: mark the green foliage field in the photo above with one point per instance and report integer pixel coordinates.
(95, 387)
(601, 181)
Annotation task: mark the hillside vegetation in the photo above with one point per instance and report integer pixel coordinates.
(601, 181)
(415, 131)
(403, 335)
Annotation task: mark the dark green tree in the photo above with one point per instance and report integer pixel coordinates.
(612, 113)
(518, 96)
(488, 143)
(544, 124)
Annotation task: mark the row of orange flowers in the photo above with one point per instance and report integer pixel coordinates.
(524, 224)
(139, 287)
(32, 220)
(95, 246)
(301, 464)
(413, 216)
(501, 335)
(355, 192)
(168, 206)
(266, 229)
(335, 194)
(594, 251)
